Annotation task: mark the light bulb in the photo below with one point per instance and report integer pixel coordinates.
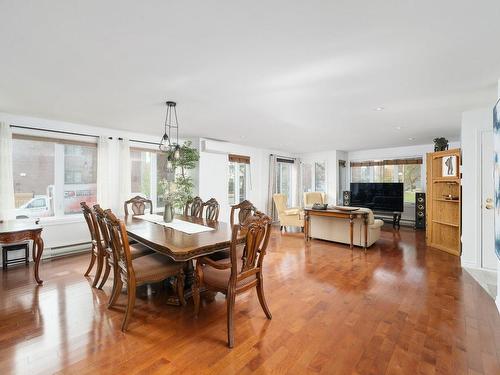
(165, 143)
(177, 152)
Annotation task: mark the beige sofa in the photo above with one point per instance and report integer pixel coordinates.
(337, 229)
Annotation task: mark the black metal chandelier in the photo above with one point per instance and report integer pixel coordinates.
(167, 144)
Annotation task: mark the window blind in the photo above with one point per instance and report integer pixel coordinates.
(239, 159)
(370, 163)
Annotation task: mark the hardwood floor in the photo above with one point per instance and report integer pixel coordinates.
(401, 308)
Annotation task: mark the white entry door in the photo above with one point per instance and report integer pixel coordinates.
(488, 257)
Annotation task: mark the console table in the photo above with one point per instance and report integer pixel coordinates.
(12, 231)
(348, 215)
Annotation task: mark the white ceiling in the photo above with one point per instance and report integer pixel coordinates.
(292, 75)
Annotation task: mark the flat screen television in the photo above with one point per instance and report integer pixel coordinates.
(378, 196)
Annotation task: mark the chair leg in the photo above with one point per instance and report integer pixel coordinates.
(262, 299)
(180, 287)
(196, 293)
(100, 261)
(117, 289)
(106, 274)
(130, 305)
(231, 296)
(92, 261)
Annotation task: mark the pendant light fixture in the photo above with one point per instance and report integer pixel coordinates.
(167, 144)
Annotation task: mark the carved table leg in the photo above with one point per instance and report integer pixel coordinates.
(351, 232)
(37, 255)
(366, 232)
(306, 226)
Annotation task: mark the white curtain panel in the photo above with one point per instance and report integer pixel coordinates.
(125, 184)
(103, 173)
(299, 196)
(271, 211)
(7, 207)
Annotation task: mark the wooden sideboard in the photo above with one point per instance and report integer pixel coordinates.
(348, 215)
(12, 231)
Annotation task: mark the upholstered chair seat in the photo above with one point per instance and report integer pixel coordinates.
(220, 278)
(138, 250)
(154, 267)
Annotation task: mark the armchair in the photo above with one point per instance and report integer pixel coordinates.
(292, 217)
(314, 197)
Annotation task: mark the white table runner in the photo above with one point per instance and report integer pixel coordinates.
(181, 225)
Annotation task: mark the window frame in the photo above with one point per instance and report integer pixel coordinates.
(237, 163)
(59, 168)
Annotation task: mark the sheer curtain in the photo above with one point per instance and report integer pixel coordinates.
(124, 178)
(271, 210)
(299, 197)
(7, 204)
(103, 173)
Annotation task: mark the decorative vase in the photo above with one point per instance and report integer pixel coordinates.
(168, 214)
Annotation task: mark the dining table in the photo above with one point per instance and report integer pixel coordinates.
(179, 245)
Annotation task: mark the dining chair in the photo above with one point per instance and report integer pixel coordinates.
(211, 209)
(138, 204)
(110, 261)
(146, 269)
(97, 252)
(240, 272)
(194, 207)
(245, 210)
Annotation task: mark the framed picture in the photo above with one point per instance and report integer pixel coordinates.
(450, 166)
(496, 171)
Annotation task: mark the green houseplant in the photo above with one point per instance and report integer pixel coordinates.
(180, 190)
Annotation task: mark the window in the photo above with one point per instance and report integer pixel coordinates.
(238, 178)
(407, 171)
(320, 177)
(307, 177)
(52, 177)
(284, 185)
(80, 176)
(314, 177)
(149, 170)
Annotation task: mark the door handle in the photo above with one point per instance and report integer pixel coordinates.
(488, 206)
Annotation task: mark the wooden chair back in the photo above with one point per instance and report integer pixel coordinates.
(138, 205)
(120, 245)
(194, 207)
(211, 209)
(91, 220)
(245, 210)
(100, 216)
(257, 229)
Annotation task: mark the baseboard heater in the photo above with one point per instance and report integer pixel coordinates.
(58, 251)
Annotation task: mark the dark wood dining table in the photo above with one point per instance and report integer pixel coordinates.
(180, 246)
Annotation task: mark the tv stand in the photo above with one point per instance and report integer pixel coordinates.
(396, 219)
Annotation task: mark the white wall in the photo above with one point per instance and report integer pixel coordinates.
(473, 123)
(214, 173)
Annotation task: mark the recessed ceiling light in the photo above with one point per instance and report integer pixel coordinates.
(398, 127)
(379, 109)
(411, 138)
